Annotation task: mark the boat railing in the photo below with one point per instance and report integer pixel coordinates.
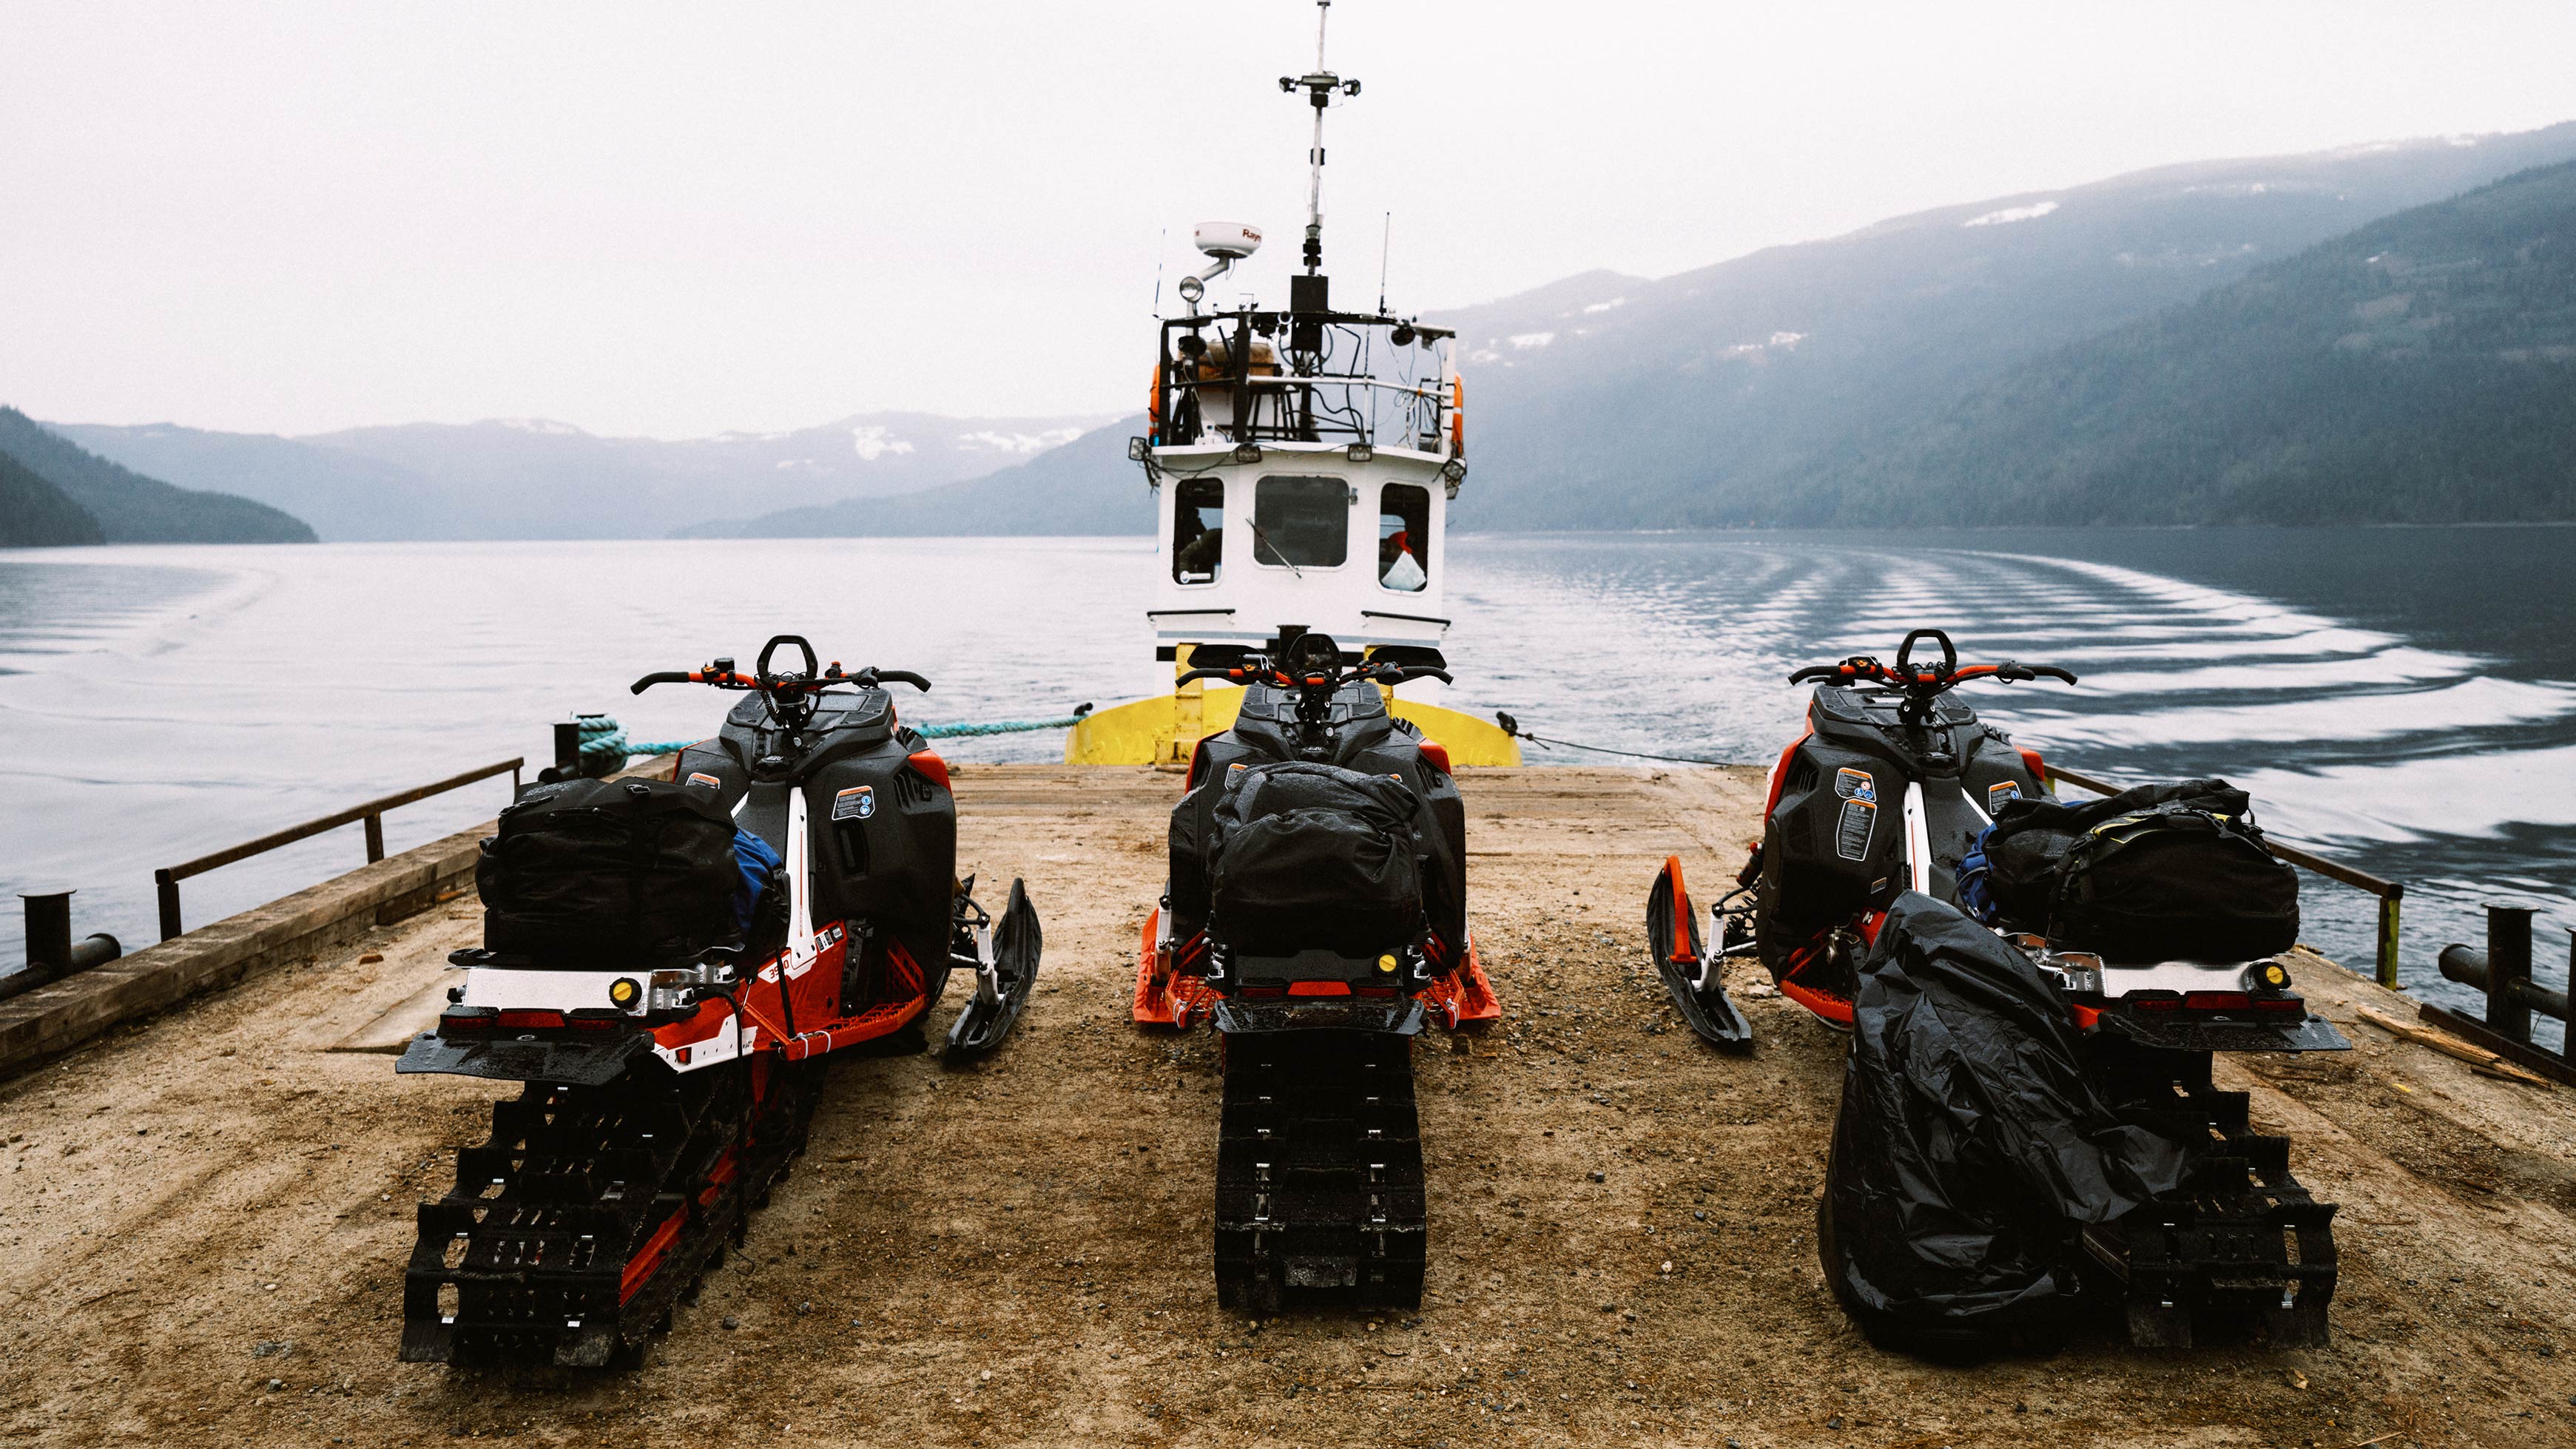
(1315, 409)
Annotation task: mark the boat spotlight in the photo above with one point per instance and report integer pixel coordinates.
(1247, 453)
(1192, 289)
(1136, 450)
(1361, 452)
(1402, 336)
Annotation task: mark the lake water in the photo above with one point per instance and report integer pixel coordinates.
(2404, 699)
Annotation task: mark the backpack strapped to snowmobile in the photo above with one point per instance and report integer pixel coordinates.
(1316, 913)
(666, 965)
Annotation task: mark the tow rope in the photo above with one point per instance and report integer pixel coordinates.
(603, 738)
(1513, 728)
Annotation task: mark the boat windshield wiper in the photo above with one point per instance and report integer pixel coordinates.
(1277, 554)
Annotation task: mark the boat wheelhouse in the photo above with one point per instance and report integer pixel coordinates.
(1302, 461)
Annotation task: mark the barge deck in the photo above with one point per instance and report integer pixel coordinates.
(204, 1215)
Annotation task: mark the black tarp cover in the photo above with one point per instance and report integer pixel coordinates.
(1969, 1147)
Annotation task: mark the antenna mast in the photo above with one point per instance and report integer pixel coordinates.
(1319, 84)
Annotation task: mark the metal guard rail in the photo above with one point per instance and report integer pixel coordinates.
(2391, 893)
(166, 880)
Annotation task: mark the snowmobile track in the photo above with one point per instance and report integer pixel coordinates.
(2241, 1251)
(573, 1230)
(1319, 1196)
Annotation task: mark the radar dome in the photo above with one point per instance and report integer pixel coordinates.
(1231, 240)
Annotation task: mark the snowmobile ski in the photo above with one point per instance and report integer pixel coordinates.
(1692, 977)
(1004, 958)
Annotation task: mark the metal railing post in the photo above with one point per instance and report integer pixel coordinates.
(49, 932)
(2388, 911)
(2509, 966)
(168, 887)
(375, 838)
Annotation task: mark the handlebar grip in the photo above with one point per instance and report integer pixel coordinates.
(1426, 672)
(2050, 671)
(1189, 675)
(903, 676)
(667, 676)
(1817, 671)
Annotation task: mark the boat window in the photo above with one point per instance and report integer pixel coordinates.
(1404, 537)
(1198, 530)
(1301, 522)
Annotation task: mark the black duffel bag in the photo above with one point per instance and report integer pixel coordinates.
(2173, 872)
(1970, 1147)
(1308, 856)
(610, 873)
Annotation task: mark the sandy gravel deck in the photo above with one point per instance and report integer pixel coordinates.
(203, 1218)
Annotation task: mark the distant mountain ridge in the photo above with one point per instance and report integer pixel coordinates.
(531, 478)
(127, 507)
(2419, 369)
(1086, 486)
(1739, 393)
(36, 514)
(1706, 398)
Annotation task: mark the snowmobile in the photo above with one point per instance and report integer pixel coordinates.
(668, 965)
(1893, 787)
(1316, 914)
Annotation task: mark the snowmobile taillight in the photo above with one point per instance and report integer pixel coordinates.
(1319, 988)
(529, 1020)
(1373, 991)
(589, 1019)
(2216, 1001)
(1265, 991)
(467, 1021)
(2281, 1005)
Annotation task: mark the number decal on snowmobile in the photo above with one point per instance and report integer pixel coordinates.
(858, 802)
(1851, 835)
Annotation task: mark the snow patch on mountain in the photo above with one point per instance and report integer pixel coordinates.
(2011, 214)
(1019, 445)
(874, 441)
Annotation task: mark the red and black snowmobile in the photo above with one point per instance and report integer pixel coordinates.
(668, 966)
(1896, 786)
(1316, 914)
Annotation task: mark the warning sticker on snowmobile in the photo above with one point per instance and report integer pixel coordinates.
(855, 803)
(710, 781)
(1854, 784)
(1996, 795)
(1851, 833)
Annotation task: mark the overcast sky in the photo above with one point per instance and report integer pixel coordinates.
(675, 221)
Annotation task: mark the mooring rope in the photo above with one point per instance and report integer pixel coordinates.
(602, 737)
(1513, 728)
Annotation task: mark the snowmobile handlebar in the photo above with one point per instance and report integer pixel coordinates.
(725, 678)
(1926, 680)
(1252, 672)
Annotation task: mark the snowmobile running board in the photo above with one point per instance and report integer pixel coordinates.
(1319, 1196)
(1691, 976)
